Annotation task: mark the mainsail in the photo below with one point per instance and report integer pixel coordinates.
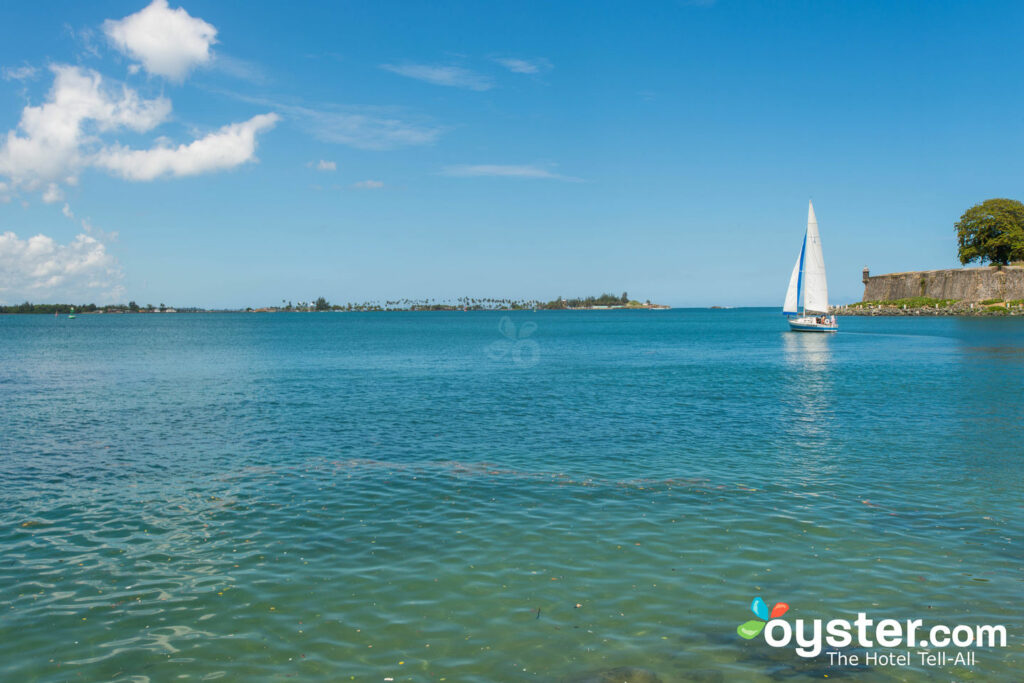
(807, 286)
(815, 286)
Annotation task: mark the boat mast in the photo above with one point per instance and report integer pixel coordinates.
(800, 288)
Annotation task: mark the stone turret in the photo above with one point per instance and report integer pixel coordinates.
(865, 274)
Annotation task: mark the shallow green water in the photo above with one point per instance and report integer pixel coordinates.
(427, 496)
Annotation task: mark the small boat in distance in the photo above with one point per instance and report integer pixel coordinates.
(806, 303)
(71, 315)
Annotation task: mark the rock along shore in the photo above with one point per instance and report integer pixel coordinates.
(960, 308)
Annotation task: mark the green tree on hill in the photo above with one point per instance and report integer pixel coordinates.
(991, 231)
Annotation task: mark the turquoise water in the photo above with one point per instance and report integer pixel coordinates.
(444, 496)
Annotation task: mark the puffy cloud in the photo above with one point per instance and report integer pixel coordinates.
(53, 194)
(68, 213)
(168, 42)
(41, 267)
(323, 165)
(505, 171)
(524, 66)
(230, 146)
(48, 148)
(56, 140)
(452, 76)
(368, 185)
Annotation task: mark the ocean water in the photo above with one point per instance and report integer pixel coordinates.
(499, 497)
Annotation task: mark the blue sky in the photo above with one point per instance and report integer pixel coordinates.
(520, 149)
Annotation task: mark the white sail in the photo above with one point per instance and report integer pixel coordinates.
(814, 284)
(792, 294)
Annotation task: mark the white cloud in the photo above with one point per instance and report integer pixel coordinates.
(505, 171)
(452, 76)
(101, 235)
(56, 140)
(48, 148)
(228, 147)
(239, 68)
(19, 73)
(323, 165)
(363, 131)
(368, 185)
(53, 194)
(85, 38)
(41, 267)
(168, 42)
(524, 66)
(362, 127)
(68, 213)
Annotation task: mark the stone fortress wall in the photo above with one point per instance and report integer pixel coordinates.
(963, 284)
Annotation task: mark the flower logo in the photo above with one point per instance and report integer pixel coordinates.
(524, 352)
(750, 629)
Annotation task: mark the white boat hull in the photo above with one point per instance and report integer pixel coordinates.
(810, 324)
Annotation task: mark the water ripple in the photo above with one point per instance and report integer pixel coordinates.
(326, 497)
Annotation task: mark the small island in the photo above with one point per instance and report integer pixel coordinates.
(590, 303)
(321, 304)
(83, 309)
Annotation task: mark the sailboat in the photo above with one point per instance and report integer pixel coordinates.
(806, 304)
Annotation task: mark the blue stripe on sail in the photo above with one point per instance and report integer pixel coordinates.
(800, 276)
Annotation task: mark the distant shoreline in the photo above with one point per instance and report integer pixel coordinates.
(212, 311)
(321, 305)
